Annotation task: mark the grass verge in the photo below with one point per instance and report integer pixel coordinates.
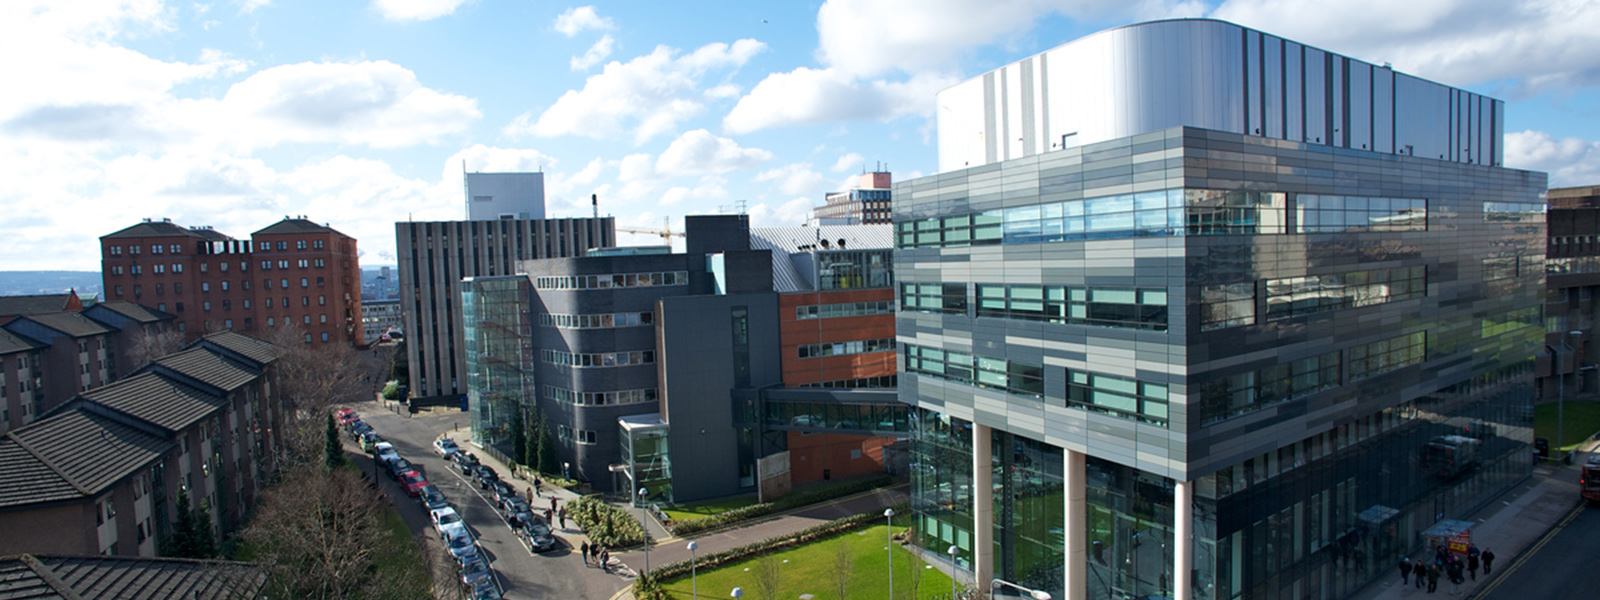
(706, 509)
(1582, 420)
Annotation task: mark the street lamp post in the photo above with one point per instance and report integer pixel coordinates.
(888, 517)
(644, 524)
(953, 551)
(1035, 594)
(693, 576)
(1561, 395)
(566, 471)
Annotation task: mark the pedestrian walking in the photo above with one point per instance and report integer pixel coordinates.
(605, 558)
(1488, 560)
(1421, 571)
(1433, 579)
(1456, 576)
(552, 503)
(1472, 565)
(1405, 570)
(563, 515)
(586, 554)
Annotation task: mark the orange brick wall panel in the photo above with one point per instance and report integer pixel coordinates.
(813, 456)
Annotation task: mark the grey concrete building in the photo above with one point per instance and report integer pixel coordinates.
(435, 256)
(505, 196)
(1193, 311)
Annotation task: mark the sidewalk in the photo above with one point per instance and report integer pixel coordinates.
(1509, 526)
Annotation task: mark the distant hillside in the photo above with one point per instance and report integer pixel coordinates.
(21, 283)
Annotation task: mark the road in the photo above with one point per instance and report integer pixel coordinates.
(1560, 567)
(556, 574)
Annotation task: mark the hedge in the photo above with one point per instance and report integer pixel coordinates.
(605, 524)
(717, 559)
(796, 500)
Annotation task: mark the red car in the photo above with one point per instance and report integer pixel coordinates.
(413, 482)
(346, 416)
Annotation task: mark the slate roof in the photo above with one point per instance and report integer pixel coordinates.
(10, 342)
(163, 401)
(154, 229)
(786, 241)
(34, 304)
(211, 367)
(86, 451)
(296, 225)
(142, 314)
(70, 323)
(131, 578)
(249, 347)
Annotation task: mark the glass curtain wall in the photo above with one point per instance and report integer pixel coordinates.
(941, 483)
(644, 447)
(499, 348)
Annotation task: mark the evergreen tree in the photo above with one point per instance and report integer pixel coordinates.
(519, 449)
(334, 452)
(547, 452)
(181, 544)
(205, 542)
(531, 440)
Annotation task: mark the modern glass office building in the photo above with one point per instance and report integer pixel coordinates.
(1193, 311)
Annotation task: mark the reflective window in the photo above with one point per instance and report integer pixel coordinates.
(1120, 396)
(1106, 307)
(934, 297)
(1323, 214)
(1295, 296)
(1227, 305)
(1016, 377)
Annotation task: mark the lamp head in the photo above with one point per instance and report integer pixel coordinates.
(737, 592)
(888, 512)
(953, 551)
(693, 545)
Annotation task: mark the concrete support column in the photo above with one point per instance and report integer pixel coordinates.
(1182, 538)
(1076, 571)
(982, 506)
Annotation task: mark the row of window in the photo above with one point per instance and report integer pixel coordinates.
(1248, 392)
(843, 348)
(615, 398)
(298, 245)
(844, 309)
(1296, 296)
(879, 382)
(600, 282)
(582, 436)
(1016, 377)
(154, 249)
(602, 359)
(600, 321)
(1126, 308)
(266, 265)
(1166, 213)
(1128, 398)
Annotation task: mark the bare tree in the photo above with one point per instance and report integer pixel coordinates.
(150, 344)
(843, 564)
(916, 576)
(768, 577)
(312, 379)
(316, 532)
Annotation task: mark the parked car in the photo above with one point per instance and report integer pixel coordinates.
(383, 452)
(359, 427)
(368, 440)
(461, 546)
(475, 570)
(538, 536)
(413, 482)
(445, 447)
(397, 465)
(513, 505)
(346, 416)
(486, 590)
(431, 498)
(447, 523)
(498, 491)
(484, 475)
(465, 460)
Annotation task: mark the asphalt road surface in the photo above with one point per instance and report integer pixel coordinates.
(556, 574)
(1561, 566)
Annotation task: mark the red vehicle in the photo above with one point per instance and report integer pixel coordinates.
(414, 483)
(1589, 481)
(346, 416)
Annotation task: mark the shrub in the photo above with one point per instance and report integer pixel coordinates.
(391, 390)
(791, 501)
(605, 524)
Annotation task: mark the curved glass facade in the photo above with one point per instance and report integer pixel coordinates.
(497, 328)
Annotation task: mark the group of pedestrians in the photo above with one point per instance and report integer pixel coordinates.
(1446, 564)
(599, 553)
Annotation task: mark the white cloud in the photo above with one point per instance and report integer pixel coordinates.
(793, 213)
(807, 96)
(699, 152)
(1569, 161)
(651, 92)
(848, 162)
(709, 188)
(726, 90)
(376, 103)
(250, 6)
(489, 159)
(636, 167)
(415, 10)
(598, 52)
(795, 179)
(576, 20)
(1542, 44)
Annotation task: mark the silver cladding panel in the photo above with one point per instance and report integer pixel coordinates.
(1214, 75)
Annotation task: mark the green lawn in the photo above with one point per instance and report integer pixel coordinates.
(1582, 420)
(397, 562)
(706, 509)
(812, 569)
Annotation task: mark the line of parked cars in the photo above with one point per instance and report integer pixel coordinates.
(472, 565)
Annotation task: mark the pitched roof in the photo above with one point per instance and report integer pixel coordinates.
(154, 229)
(34, 304)
(125, 577)
(163, 401)
(787, 241)
(89, 452)
(10, 342)
(140, 313)
(210, 367)
(69, 323)
(295, 225)
(249, 347)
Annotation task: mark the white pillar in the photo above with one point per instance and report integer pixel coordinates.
(982, 507)
(1076, 525)
(1182, 537)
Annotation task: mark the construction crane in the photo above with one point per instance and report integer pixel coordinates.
(665, 232)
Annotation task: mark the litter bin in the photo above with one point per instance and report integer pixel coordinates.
(1541, 447)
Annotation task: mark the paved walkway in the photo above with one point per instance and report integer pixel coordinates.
(1509, 526)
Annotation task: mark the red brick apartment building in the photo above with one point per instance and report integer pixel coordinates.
(294, 271)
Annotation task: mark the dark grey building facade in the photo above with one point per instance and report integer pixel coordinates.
(1212, 362)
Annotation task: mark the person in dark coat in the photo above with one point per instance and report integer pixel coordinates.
(1405, 570)
(1421, 570)
(1488, 560)
(586, 554)
(1472, 564)
(1433, 579)
(605, 559)
(1456, 568)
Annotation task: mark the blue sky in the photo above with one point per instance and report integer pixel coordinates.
(234, 113)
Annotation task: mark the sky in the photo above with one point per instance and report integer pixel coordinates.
(236, 113)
